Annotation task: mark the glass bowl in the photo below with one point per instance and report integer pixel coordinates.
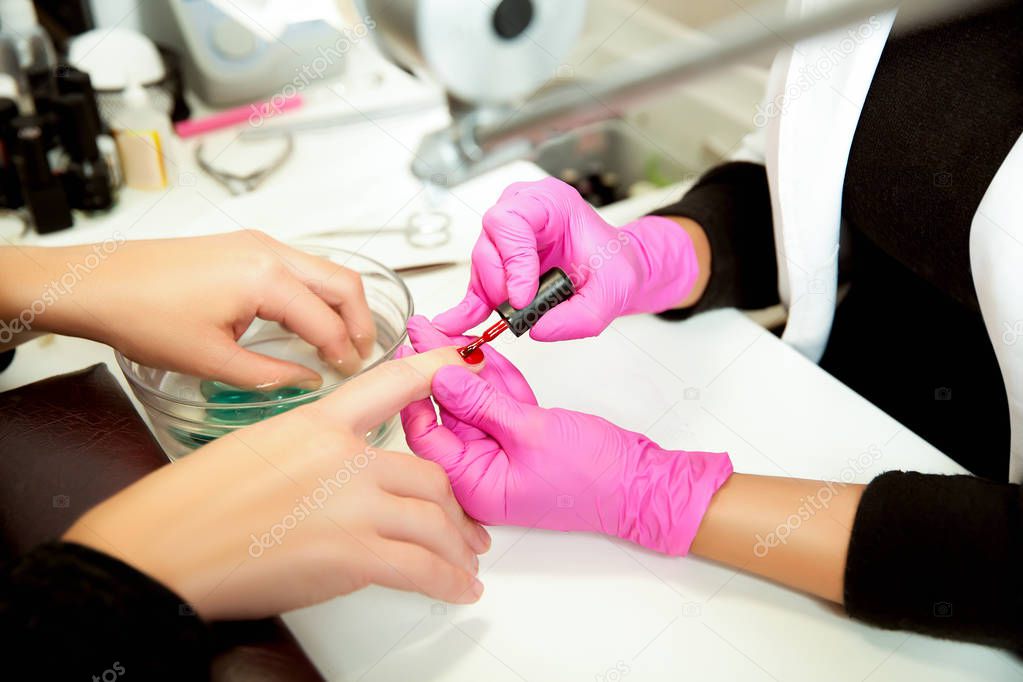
(187, 413)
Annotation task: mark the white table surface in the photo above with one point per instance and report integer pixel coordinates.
(558, 606)
(578, 606)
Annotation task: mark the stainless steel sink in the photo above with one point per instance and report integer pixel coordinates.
(665, 142)
(609, 161)
(668, 142)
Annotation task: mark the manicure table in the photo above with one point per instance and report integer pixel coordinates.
(575, 606)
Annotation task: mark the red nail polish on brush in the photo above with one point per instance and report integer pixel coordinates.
(473, 352)
(555, 287)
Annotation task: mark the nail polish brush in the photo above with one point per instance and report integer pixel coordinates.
(555, 287)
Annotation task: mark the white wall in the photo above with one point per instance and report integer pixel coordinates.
(118, 12)
(702, 13)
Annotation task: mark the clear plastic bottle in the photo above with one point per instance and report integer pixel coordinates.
(145, 142)
(18, 20)
(10, 65)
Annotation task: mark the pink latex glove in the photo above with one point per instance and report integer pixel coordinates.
(496, 369)
(513, 463)
(647, 266)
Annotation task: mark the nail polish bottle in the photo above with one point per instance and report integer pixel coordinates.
(43, 194)
(72, 81)
(10, 187)
(85, 176)
(43, 92)
(554, 288)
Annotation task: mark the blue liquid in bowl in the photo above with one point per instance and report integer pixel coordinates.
(224, 394)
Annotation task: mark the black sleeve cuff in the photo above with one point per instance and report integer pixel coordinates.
(732, 203)
(69, 612)
(939, 555)
(6, 358)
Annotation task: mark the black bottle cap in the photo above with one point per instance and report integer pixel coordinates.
(72, 81)
(10, 188)
(74, 125)
(8, 112)
(41, 81)
(555, 287)
(86, 179)
(43, 195)
(43, 88)
(30, 151)
(88, 187)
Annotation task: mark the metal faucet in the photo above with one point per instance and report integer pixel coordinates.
(484, 136)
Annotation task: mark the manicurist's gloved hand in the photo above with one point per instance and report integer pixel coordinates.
(497, 370)
(649, 265)
(513, 463)
(181, 304)
(298, 509)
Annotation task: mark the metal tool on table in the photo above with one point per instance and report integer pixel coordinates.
(426, 268)
(423, 230)
(240, 184)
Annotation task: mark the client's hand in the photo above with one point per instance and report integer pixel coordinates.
(181, 304)
(512, 462)
(297, 509)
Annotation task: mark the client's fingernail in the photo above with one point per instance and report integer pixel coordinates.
(473, 357)
(347, 368)
(310, 384)
(366, 340)
(484, 537)
(476, 590)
